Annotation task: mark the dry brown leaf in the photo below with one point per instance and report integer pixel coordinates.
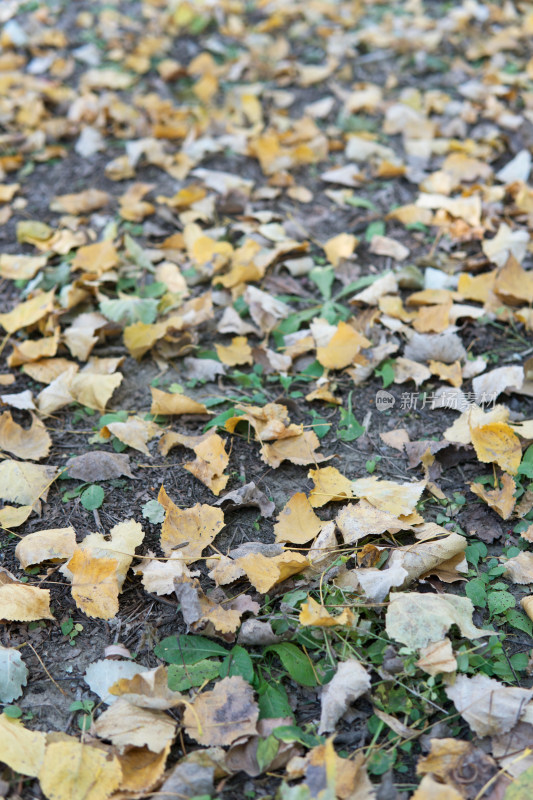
(297, 522)
(147, 690)
(94, 584)
(519, 569)
(31, 443)
(407, 370)
(56, 544)
(99, 465)
(425, 558)
(513, 285)
(80, 203)
(171, 404)
(223, 715)
(22, 750)
(396, 439)
(204, 615)
(192, 529)
(355, 521)
(76, 769)
(126, 725)
(430, 789)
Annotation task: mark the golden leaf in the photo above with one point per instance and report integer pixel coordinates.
(297, 522)
(22, 603)
(28, 443)
(25, 483)
(339, 247)
(296, 449)
(265, 573)
(513, 284)
(312, 613)
(342, 347)
(74, 770)
(81, 202)
(212, 459)
(21, 268)
(237, 353)
(448, 372)
(11, 517)
(330, 484)
(395, 498)
(29, 312)
(94, 584)
(226, 713)
(194, 528)
(96, 258)
(135, 432)
(22, 750)
(147, 690)
(437, 658)
(94, 391)
(142, 769)
(170, 404)
(498, 443)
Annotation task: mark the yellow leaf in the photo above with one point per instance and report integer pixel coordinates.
(330, 484)
(81, 202)
(56, 544)
(498, 443)
(21, 268)
(265, 573)
(29, 312)
(11, 517)
(477, 287)
(501, 500)
(94, 584)
(96, 258)
(94, 391)
(170, 404)
(513, 284)
(74, 770)
(141, 337)
(297, 522)
(227, 713)
(48, 369)
(447, 372)
(339, 247)
(395, 498)
(206, 88)
(22, 750)
(212, 460)
(237, 353)
(142, 769)
(341, 348)
(33, 350)
(147, 690)
(296, 449)
(28, 443)
(25, 483)
(437, 658)
(22, 603)
(433, 319)
(135, 432)
(312, 613)
(194, 528)
(126, 725)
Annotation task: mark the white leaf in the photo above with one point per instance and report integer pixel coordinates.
(349, 682)
(100, 675)
(489, 707)
(13, 674)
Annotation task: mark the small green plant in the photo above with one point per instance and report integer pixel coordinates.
(85, 718)
(71, 629)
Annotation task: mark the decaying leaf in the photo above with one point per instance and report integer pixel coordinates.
(56, 544)
(312, 613)
(147, 689)
(394, 498)
(489, 707)
(13, 674)
(502, 500)
(173, 404)
(126, 725)
(190, 529)
(418, 620)
(27, 443)
(99, 465)
(25, 483)
(225, 714)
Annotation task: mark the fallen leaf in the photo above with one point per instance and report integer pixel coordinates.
(21, 267)
(519, 569)
(147, 689)
(97, 258)
(506, 243)
(135, 432)
(80, 203)
(22, 750)
(418, 620)
(101, 675)
(498, 443)
(28, 313)
(13, 675)
(126, 725)
(502, 500)
(141, 769)
(341, 348)
(75, 769)
(350, 681)
(489, 386)
(340, 247)
(312, 613)
(237, 353)
(56, 544)
(20, 602)
(25, 483)
(158, 576)
(265, 573)
(248, 495)
(299, 449)
(430, 789)
(437, 658)
(394, 498)
(355, 521)
(221, 716)
(297, 522)
(212, 459)
(94, 584)
(31, 443)
(171, 404)
(489, 707)
(193, 529)
(99, 465)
